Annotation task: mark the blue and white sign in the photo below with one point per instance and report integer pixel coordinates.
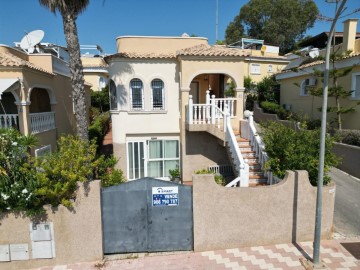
(165, 196)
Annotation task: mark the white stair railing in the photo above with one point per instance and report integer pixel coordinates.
(41, 122)
(241, 165)
(8, 120)
(259, 148)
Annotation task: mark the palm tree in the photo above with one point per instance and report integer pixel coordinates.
(69, 10)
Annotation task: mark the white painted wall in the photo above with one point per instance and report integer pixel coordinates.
(124, 121)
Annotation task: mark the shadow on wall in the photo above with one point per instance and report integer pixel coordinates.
(205, 145)
(122, 92)
(244, 217)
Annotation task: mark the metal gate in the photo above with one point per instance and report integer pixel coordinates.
(147, 215)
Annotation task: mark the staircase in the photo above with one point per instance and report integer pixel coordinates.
(256, 175)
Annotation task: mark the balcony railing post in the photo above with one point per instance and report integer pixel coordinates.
(213, 113)
(190, 109)
(226, 116)
(207, 109)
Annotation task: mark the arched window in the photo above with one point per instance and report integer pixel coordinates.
(112, 95)
(136, 94)
(306, 85)
(158, 100)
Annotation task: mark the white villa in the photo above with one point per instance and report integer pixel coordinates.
(168, 103)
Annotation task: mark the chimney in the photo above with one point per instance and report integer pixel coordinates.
(349, 34)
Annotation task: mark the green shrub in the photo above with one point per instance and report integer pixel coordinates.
(98, 128)
(296, 150)
(219, 179)
(18, 181)
(106, 172)
(75, 161)
(351, 137)
(100, 99)
(59, 172)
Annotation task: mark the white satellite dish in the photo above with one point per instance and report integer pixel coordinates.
(31, 39)
(314, 52)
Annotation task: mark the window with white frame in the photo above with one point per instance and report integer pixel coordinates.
(112, 95)
(306, 85)
(270, 68)
(152, 158)
(355, 85)
(255, 69)
(136, 94)
(157, 98)
(163, 155)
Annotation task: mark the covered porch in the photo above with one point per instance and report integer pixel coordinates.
(31, 116)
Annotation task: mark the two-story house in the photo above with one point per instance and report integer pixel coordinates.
(162, 90)
(299, 74)
(35, 93)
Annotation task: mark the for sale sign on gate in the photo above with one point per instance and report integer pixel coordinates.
(165, 196)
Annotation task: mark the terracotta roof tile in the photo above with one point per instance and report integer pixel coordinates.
(317, 62)
(207, 50)
(10, 60)
(149, 55)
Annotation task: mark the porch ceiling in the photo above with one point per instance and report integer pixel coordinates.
(5, 84)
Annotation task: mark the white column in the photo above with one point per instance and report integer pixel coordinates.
(190, 108)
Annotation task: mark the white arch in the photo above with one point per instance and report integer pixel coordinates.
(48, 89)
(212, 71)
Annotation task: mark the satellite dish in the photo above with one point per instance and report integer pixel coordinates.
(314, 52)
(29, 41)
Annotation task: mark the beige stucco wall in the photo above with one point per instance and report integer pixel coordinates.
(349, 155)
(156, 44)
(147, 121)
(308, 105)
(239, 217)
(277, 66)
(78, 233)
(200, 151)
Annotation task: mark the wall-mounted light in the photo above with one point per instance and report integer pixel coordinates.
(206, 77)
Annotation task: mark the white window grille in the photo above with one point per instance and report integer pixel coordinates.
(158, 99)
(136, 95)
(112, 95)
(255, 69)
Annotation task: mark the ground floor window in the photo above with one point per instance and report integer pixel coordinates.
(152, 158)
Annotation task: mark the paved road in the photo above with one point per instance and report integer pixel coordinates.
(347, 203)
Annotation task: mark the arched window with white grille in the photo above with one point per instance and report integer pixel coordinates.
(136, 94)
(158, 99)
(112, 95)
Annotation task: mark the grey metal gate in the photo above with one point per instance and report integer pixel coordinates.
(147, 215)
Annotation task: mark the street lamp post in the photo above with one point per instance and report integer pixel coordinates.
(317, 236)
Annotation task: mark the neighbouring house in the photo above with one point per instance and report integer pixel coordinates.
(168, 103)
(95, 71)
(36, 93)
(298, 100)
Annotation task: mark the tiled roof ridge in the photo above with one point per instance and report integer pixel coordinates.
(152, 55)
(319, 62)
(212, 50)
(11, 60)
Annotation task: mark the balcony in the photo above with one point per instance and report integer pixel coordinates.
(9, 120)
(41, 122)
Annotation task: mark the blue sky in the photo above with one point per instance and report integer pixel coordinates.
(102, 22)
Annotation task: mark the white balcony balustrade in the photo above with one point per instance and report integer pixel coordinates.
(41, 122)
(8, 120)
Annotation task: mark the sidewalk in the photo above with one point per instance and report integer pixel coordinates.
(283, 256)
